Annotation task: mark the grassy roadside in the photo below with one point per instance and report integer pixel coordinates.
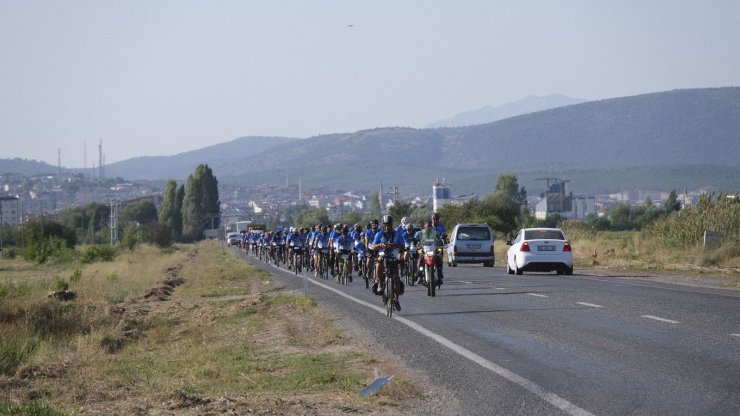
(630, 253)
(190, 330)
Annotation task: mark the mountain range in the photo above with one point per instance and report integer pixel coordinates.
(680, 139)
(489, 114)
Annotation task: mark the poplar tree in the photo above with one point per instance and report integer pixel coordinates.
(201, 206)
(170, 213)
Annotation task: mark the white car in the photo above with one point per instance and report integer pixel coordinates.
(232, 239)
(539, 250)
(471, 243)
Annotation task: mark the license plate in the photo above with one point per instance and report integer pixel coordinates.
(545, 248)
(474, 246)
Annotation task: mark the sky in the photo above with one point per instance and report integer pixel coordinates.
(161, 77)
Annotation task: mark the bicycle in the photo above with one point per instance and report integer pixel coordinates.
(297, 260)
(345, 268)
(391, 279)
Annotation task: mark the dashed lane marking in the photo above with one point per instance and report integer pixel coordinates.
(656, 318)
(549, 397)
(590, 305)
(538, 295)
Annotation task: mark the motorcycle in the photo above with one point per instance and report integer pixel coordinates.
(431, 252)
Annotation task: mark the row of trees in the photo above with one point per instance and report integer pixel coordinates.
(186, 212)
(505, 210)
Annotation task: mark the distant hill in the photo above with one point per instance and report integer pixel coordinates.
(660, 133)
(489, 114)
(679, 139)
(25, 166)
(181, 165)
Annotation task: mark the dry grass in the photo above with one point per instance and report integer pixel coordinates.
(187, 331)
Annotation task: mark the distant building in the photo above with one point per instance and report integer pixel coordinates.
(557, 201)
(10, 210)
(441, 195)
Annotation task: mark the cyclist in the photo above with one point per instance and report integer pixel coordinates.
(388, 243)
(321, 247)
(334, 233)
(359, 247)
(343, 245)
(372, 229)
(441, 237)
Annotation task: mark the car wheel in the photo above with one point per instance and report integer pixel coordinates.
(508, 269)
(517, 270)
(487, 264)
(569, 271)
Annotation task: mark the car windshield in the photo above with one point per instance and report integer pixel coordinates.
(473, 233)
(543, 235)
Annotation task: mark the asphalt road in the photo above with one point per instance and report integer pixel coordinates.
(556, 345)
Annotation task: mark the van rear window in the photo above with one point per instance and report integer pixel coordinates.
(473, 233)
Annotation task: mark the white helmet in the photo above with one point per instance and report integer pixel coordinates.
(405, 222)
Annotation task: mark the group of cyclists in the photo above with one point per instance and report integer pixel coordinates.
(373, 252)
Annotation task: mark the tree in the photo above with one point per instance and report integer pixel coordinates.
(509, 186)
(179, 200)
(672, 204)
(87, 220)
(400, 210)
(620, 217)
(143, 212)
(375, 208)
(170, 214)
(201, 206)
(312, 217)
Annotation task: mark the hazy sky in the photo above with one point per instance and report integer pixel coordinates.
(158, 77)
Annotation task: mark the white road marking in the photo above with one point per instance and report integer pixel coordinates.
(590, 305)
(538, 295)
(735, 335)
(670, 321)
(549, 397)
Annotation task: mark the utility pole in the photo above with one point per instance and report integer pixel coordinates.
(113, 222)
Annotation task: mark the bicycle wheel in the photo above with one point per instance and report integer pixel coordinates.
(432, 281)
(366, 274)
(346, 273)
(388, 294)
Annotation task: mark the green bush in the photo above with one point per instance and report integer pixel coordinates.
(49, 250)
(685, 229)
(103, 252)
(161, 235)
(10, 252)
(133, 235)
(59, 285)
(76, 275)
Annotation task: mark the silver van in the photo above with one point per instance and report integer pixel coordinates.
(470, 243)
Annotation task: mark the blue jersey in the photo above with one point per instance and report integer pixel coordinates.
(321, 241)
(344, 242)
(440, 228)
(391, 237)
